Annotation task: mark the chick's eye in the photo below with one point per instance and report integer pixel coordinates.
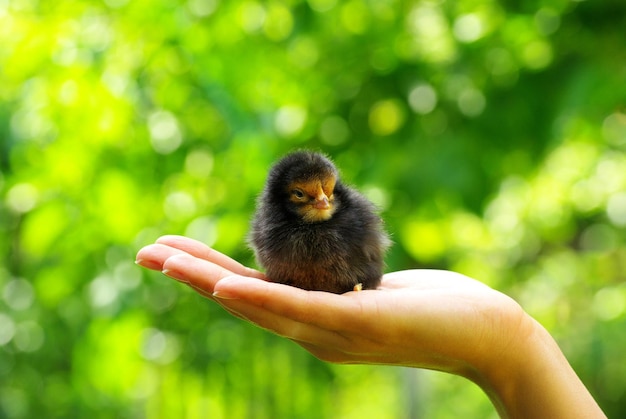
(297, 193)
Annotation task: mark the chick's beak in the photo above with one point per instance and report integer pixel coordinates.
(321, 203)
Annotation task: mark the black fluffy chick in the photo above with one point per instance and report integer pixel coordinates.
(313, 232)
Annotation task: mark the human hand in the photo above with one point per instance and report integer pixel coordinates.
(422, 318)
(431, 319)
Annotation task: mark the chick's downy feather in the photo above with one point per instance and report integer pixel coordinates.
(313, 232)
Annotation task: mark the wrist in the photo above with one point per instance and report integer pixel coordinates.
(532, 378)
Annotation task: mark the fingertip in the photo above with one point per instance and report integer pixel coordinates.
(178, 241)
(147, 257)
(231, 284)
(178, 276)
(246, 287)
(168, 239)
(141, 253)
(176, 260)
(229, 288)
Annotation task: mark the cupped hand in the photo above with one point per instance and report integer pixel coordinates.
(423, 318)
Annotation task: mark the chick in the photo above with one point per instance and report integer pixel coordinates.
(313, 232)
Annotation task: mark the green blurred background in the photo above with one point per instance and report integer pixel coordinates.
(491, 134)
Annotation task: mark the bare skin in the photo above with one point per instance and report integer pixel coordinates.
(431, 319)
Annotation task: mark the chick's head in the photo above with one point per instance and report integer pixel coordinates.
(313, 198)
(306, 181)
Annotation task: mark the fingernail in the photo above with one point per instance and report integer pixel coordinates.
(174, 275)
(148, 264)
(224, 295)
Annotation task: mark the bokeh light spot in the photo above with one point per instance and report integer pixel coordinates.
(614, 128)
(22, 197)
(616, 209)
(431, 34)
(29, 336)
(471, 102)
(609, 303)
(202, 8)
(468, 28)
(251, 16)
(303, 52)
(354, 16)
(165, 134)
(377, 195)
(203, 229)
(423, 99)
(103, 291)
(586, 196)
(126, 276)
(179, 205)
(279, 23)
(502, 66)
(290, 120)
(18, 294)
(386, 117)
(153, 344)
(159, 346)
(537, 54)
(199, 163)
(425, 241)
(547, 21)
(7, 329)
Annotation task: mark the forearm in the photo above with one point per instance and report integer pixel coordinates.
(535, 380)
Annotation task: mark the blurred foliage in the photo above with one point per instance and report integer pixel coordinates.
(491, 134)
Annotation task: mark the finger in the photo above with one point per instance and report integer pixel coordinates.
(283, 326)
(201, 250)
(153, 256)
(324, 310)
(200, 274)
